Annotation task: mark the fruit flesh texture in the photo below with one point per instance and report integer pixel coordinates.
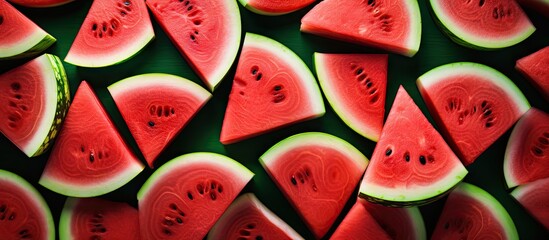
(534, 197)
(41, 3)
(359, 224)
(274, 7)
(536, 69)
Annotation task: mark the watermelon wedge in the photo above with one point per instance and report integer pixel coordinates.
(536, 69)
(95, 218)
(89, 157)
(248, 218)
(34, 99)
(411, 163)
(399, 223)
(272, 88)
(112, 32)
(24, 214)
(393, 25)
(482, 25)
(21, 37)
(317, 173)
(358, 224)
(274, 7)
(355, 85)
(534, 197)
(206, 33)
(156, 107)
(527, 153)
(473, 104)
(472, 213)
(41, 3)
(187, 195)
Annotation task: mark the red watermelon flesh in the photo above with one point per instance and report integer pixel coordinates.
(534, 197)
(355, 85)
(275, 7)
(89, 157)
(536, 68)
(272, 89)
(472, 213)
(399, 223)
(527, 153)
(187, 195)
(95, 218)
(358, 224)
(23, 212)
(206, 33)
(156, 107)
(248, 218)
(317, 173)
(40, 3)
(393, 25)
(411, 163)
(473, 105)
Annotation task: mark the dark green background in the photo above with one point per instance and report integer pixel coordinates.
(202, 133)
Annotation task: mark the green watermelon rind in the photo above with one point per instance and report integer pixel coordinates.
(222, 161)
(417, 222)
(473, 41)
(65, 219)
(519, 192)
(32, 194)
(235, 206)
(32, 45)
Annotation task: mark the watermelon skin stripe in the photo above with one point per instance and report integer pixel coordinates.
(42, 44)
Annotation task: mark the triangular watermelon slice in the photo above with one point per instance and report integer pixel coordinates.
(404, 223)
(536, 69)
(20, 36)
(393, 25)
(156, 107)
(272, 88)
(206, 33)
(358, 224)
(89, 157)
(355, 85)
(112, 32)
(411, 163)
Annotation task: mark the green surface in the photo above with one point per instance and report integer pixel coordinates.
(202, 134)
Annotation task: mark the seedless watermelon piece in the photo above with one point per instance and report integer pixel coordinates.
(89, 157)
(23, 212)
(393, 25)
(272, 88)
(156, 107)
(472, 213)
(355, 86)
(34, 99)
(527, 153)
(536, 69)
(95, 218)
(187, 195)
(206, 33)
(112, 32)
(411, 163)
(248, 218)
(274, 7)
(399, 223)
(473, 105)
(482, 24)
(41, 3)
(360, 225)
(20, 36)
(534, 197)
(317, 173)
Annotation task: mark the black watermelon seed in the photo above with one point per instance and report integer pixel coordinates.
(294, 182)
(250, 226)
(259, 237)
(407, 157)
(277, 88)
(190, 195)
(388, 152)
(213, 196)
(179, 220)
(1, 19)
(151, 123)
(92, 157)
(359, 71)
(422, 160)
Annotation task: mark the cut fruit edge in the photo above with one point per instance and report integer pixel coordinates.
(39, 40)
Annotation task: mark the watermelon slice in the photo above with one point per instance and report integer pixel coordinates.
(95, 218)
(274, 7)
(355, 86)
(187, 195)
(156, 107)
(34, 99)
(272, 88)
(317, 173)
(411, 163)
(41, 3)
(358, 224)
(473, 104)
(89, 157)
(472, 213)
(23, 212)
(399, 223)
(393, 25)
(534, 197)
(527, 153)
(206, 33)
(112, 32)
(482, 25)
(248, 218)
(20, 36)
(536, 69)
